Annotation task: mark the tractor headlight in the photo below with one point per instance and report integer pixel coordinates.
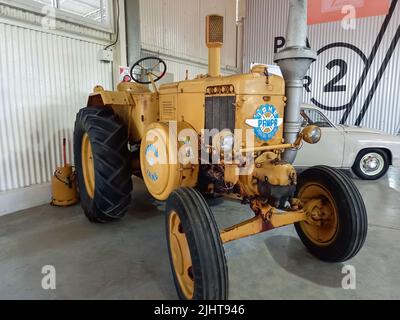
(227, 143)
(224, 141)
(312, 134)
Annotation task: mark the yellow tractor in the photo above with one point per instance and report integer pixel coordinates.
(216, 136)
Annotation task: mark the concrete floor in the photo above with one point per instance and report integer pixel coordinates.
(128, 259)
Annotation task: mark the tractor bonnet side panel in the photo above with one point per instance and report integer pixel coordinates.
(145, 112)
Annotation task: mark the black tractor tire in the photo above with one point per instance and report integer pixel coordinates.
(357, 167)
(209, 268)
(351, 215)
(111, 158)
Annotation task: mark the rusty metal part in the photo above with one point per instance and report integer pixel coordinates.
(222, 177)
(268, 148)
(266, 218)
(276, 172)
(316, 215)
(305, 135)
(268, 173)
(322, 222)
(266, 156)
(231, 174)
(245, 229)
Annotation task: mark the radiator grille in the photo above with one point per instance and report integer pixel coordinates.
(220, 113)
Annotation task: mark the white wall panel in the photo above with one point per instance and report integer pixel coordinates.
(177, 28)
(45, 78)
(267, 19)
(176, 68)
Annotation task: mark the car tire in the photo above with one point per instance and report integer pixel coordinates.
(379, 161)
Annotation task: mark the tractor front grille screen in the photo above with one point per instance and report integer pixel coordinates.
(220, 113)
(215, 30)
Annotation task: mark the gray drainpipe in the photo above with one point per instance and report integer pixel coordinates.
(294, 61)
(133, 40)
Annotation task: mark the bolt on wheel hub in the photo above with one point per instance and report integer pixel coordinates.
(322, 226)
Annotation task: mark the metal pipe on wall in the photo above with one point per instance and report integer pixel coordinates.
(240, 16)
(133, 37)
(294, 62)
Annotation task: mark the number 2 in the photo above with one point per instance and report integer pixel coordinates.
(332, 85)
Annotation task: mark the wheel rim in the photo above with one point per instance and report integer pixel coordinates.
(323, 224)
(180, 253)
(372, 164)
(88, 165)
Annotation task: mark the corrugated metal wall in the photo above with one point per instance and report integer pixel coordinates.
(45, 78)
(174, 30)
(370, 44)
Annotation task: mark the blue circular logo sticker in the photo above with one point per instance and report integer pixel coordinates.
(266, 122)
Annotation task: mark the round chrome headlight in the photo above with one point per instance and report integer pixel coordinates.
(227, 143)
(224, 141)
(312, 134)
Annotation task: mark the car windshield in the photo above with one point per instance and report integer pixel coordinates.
(314, 117)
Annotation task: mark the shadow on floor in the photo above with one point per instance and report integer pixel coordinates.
(291, 255)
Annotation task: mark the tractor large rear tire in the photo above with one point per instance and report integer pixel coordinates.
(342, 235)
(195, 248)
(106, 192)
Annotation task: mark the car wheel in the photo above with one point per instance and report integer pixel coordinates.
(371, 164)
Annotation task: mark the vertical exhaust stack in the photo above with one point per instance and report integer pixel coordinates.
(294, 61)
(214, 41)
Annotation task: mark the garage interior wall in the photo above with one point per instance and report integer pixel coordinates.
(370, 51)
(45, 78)
(174, 30)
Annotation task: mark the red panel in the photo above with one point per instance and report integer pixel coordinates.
(321, 11)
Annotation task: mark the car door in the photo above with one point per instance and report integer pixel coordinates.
(329, 150)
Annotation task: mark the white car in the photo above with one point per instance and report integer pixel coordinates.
(368, 152)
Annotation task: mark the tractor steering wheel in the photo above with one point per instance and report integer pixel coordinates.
(146, 70)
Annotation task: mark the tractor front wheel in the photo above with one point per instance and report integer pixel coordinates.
(337, 228)
(195, 249)
(102, 163)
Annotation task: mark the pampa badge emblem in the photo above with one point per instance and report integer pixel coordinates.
(266, 122)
